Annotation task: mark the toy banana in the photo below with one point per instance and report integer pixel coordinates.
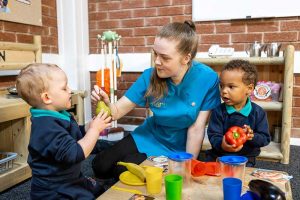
(135, 169)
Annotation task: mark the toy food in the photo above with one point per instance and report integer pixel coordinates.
(135, 169)
(235, 136)
(102, 106)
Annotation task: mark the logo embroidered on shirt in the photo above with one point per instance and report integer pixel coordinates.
(158, 104)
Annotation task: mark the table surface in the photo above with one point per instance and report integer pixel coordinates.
(204, 187)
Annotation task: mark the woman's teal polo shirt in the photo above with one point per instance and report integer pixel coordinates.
(166, 130)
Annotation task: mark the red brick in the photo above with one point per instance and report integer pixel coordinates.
(188, 9)
(45, 10)
(180, 18)
(46, 49)
(296, 122)
(46, 31)
(92, 25)
(214, 39)
(94, 42)
(124, 85)
(296, 91)
(101, 16)
(111, 5)
(130, 76)
(263, 26)
(203, 47)
(296, 102)
(170, 10)
(22, 38)
(123, 14)
(108, 24)
(147, 12)
(157, 21)
(142, 49)
(133, 41)
(230, 28)
(15, 27)
(125, 32)
(50, 3)
(54, 49)
(290, 25)
(182, 2)
(280, 37)
(205, 28)
(35, 30)
(132, 4)
(297, 79)
(238, 47)
(92, 16)
(246, 38)
(145, 31)
(295, 133)
(150, 40)
(48, 40)
(93, 1)
(7, 37)
(92, 7)
(52, 12)
(132, 23)
(157, 3)
(296, 112)
(53, 31)
(49, 21)
(127, 49)
(93, 50)
(296, 45)
(94, 33)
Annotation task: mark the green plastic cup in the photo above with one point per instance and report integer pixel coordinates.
(173, 184)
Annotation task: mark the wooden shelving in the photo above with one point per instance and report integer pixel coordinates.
(279, 69)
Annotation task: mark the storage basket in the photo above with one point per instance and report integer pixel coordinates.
(7, 160)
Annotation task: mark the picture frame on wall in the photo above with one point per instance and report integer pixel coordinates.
(4, 6)
(19, 9)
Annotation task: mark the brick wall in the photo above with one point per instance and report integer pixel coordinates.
(137, 21)
(23, 33)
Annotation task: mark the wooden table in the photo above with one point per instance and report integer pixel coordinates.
(205, 187)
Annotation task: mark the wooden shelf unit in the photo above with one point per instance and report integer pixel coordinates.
(278, 69)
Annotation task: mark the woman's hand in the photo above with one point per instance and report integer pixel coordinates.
(98, 95)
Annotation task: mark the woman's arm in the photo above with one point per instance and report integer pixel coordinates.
(118, 109)
(122, 107)
(195, 134)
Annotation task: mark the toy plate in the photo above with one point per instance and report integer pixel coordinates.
(130, 179)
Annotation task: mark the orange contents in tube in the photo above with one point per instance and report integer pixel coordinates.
(106, 79)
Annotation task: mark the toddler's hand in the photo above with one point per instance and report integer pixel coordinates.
(249, 132)
(230, 148)
(101, 121)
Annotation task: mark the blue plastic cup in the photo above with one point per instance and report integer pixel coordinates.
(232, 188)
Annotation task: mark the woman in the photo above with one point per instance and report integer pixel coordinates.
(180, 93)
